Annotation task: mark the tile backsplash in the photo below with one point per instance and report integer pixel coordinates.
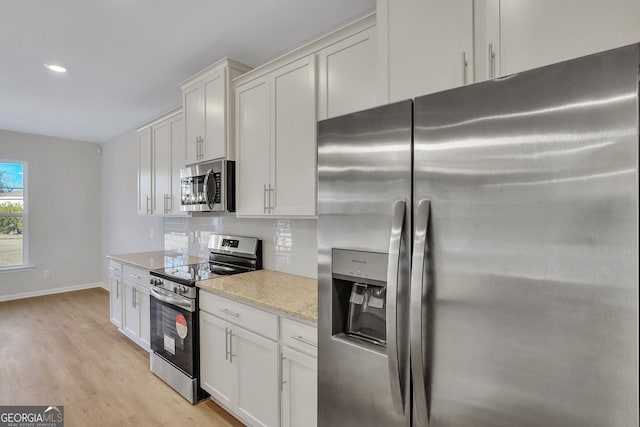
(288, 245)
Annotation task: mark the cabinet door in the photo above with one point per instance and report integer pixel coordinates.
(253, 133)
(143, 302)
(256, 360)
(216, 370)
(348, 78)
(299, 389)
(131, 318)
(429, 45)
(193, 117)
(144, 172)
(178, 160)
(486, 39)
(536, 33)
(215, 135)
(115, 300)
(293, 167)
(161, 140)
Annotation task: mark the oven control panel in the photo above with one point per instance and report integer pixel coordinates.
(187, 291)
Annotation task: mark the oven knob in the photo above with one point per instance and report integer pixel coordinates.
(155, 282)
(182, 289)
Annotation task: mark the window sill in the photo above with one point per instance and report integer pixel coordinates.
(17, 268)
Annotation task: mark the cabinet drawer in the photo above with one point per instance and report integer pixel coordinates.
(299, 336)
(250, 318)
(115, 268)
(135, 275)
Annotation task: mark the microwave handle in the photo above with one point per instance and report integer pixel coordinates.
(206, 188)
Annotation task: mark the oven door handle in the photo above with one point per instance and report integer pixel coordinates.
(172, 300)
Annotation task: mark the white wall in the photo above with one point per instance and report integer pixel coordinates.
(64, 213)
(123, 230)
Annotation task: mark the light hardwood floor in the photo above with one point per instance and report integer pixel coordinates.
(63, 350)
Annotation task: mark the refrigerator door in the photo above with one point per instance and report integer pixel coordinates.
(364, 243)
(532, 247)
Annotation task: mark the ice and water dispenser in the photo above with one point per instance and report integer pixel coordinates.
(359, 296)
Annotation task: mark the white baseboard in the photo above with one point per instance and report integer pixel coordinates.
(52, 291)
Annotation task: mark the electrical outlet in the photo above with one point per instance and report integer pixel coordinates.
(45, 274)
(152, 233)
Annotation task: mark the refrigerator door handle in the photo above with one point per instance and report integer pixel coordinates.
(416, 313)
(393, 270)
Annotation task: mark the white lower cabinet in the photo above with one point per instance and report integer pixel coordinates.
(216, 372)
(258, 365)
(256, 360)
(239, 368)
(115, 289)
(136, 314)
(299, 373)
(299, 389)
(115, 293)
(131, 315)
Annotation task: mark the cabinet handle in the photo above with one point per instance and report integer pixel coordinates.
(264, 199)
(492, 62)
(133, 297)
(271, 206)
(464, 68)
(304, 341)
(231, 346)
(112, 268)
(199, 147)
(226, 343)
(167, 198)
(283, 382)
(135, 276)
(117, 289)
(230, 313)
(148, 204)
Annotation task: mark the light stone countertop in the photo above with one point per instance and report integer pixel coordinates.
(157, 259)
(295, 296)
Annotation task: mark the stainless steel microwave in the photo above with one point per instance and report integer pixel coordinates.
(208, 187)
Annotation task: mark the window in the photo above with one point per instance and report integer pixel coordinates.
(12, 214)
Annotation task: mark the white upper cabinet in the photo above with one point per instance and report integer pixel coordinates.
(428, 45)
(486, 21)
(276, 135)
(347, 75)
(253, 168)
(293, 159)
(208, 112)
(277, 108)
(144, 172)
(178, 157)
(432, 45)
(161, 154)
(534, 33)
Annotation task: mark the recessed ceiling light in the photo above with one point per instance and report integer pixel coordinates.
(56, 68)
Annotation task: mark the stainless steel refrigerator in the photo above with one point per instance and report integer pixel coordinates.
(478, 253)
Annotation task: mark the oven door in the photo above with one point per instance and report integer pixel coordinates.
(174, 326)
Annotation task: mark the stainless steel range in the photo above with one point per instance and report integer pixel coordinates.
(174, 310)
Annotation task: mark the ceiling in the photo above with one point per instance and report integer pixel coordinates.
(125, 57)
